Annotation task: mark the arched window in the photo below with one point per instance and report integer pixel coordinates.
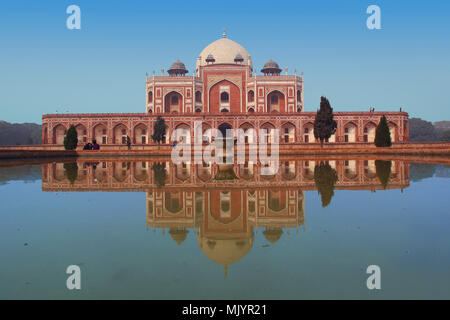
(224, 97)
(150, 96)
(251, 96)
(174, 99)
(198, 96)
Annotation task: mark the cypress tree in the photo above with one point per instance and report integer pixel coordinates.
(71, 138)
(382, 134)
(325, 178)
(159, 174)
(324, 124)
(128, 142)
(71, 171)
(383, 171)
(159, 130)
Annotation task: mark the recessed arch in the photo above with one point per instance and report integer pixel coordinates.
(173, 102)
(288, 130)
(120, 171)
(350, 169)
(140, 134)
(308, 133)
(369, 132)
(183, 133)
(267, 132)
(120, 133)
(288, 170)
(217, 97)
(249, 132)
(350, 131)
(276, 200)
(81, 133)
(100, 133)
(393, 130)
(59, 132)
(223, 127)
(140, 171)
(276, 101)
(173, 202)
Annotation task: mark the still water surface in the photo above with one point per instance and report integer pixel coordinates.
(139, 229)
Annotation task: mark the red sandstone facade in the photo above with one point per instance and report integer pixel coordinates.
(223, 92)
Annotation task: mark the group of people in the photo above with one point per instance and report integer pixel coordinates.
(92, 146)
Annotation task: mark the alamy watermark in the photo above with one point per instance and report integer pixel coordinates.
(74, 20)
(73, 282)
(374, 280)
(374, 20)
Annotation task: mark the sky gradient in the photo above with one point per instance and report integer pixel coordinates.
(101, 68)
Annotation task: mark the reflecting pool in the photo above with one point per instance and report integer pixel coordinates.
(145, 229)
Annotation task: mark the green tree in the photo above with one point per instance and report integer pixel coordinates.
(324, 124)
(382, 134)
(159, 130)
(159, 174)
(71, 171)
(383, 171)
(71, 139)
(325, 178)
(445, 137)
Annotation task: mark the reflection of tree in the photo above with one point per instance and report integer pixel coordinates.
(159, 173)
(71, 171)
(383, 171)
(325, 177)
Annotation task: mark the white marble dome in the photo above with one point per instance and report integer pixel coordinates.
(224, 51)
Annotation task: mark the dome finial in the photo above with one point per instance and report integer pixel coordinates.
(224, 34)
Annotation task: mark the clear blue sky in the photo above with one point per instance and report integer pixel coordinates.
(101, 68)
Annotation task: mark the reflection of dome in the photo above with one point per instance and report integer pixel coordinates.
(177, 68)
(225, 51)
(178, 235)
(273, 235)
(225, 251)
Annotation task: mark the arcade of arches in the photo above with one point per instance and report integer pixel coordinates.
(113, 130)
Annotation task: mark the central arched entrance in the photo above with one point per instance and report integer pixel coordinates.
(225, 129)
(173, 102)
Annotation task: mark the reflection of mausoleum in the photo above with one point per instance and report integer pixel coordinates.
(225, 214)
(225, 220)
(138, 175)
